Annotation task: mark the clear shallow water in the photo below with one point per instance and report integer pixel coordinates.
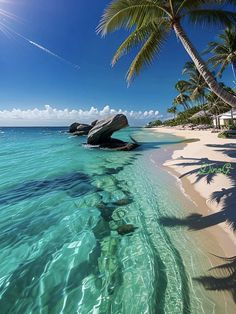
(61, 204)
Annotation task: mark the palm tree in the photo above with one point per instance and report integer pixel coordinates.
(216, 106)
(173, 110)
(150, 21)
(224, 51)
(182, 98)
(196, 85)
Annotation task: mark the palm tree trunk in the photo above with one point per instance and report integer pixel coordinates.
(202, 68)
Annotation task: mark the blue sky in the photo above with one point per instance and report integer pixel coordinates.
(31, 78)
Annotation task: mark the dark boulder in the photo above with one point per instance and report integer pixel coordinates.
(115, 144)
(94, 123)
(73, 127)
(80, 128)
(84, 128)
(101, 133)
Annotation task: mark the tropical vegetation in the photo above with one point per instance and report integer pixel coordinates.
(153, 124)
(224, 51)
(150, 22)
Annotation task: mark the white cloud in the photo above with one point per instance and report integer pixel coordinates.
(53, 116)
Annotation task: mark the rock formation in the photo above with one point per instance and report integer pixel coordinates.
(101, 133)
(80, 128)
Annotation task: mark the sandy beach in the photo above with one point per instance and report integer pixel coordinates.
(198, 165)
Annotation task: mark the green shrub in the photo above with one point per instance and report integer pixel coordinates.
(154, 124)
(223, 134)
(232, 127)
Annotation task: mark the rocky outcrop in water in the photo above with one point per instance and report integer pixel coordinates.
(94, 123)
(80, 128)
(101, 133)
(104, 129)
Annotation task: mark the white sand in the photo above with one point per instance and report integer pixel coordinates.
(195, 152)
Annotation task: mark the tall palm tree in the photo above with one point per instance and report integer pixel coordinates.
(182, 98)
(224, 51)
(196, 85)
(150, 21)
(216, 106)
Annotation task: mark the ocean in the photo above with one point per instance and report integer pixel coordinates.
(62, 203)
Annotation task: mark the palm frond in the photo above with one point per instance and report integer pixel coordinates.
(190, 4)
(136, 37)
(127, 13)
(212, 17)
(223, 51)
(145, 56)
(182, 86)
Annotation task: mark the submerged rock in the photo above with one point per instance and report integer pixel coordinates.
(116, 144)
(126, 229)
(123, 202)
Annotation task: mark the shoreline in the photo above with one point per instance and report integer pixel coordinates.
(198, 190)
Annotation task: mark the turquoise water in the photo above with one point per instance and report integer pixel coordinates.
(61, 203)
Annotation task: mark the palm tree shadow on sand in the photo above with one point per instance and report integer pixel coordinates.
(224, 278)
(227, 196)
(224, 275)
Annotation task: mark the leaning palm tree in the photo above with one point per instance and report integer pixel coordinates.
(150, 21)
(224, 51)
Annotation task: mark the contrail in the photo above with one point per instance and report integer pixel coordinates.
(51, 53)
(77, 67)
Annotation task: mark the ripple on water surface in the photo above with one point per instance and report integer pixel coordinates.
(61, 204)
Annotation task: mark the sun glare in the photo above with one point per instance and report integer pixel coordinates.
(5, 18)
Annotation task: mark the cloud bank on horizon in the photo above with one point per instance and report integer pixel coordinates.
(50, 116)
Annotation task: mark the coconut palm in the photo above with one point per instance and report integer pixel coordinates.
(216, 106)
(150, 22)
(196, 85)
(182, 98)
(224, 51)
(173, 110)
